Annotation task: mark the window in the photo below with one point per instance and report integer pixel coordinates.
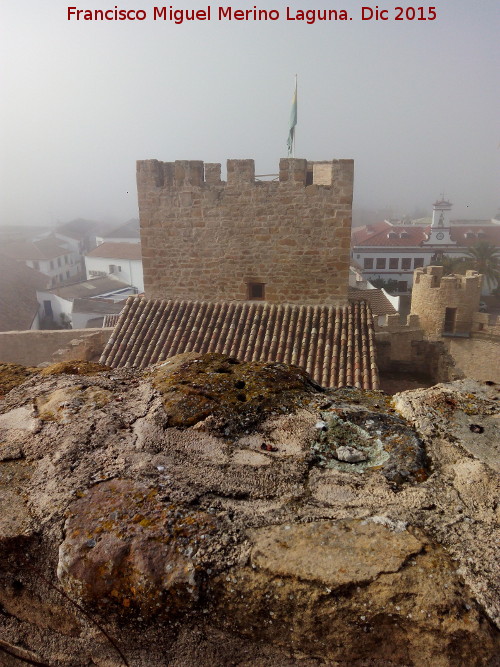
(418, 262)
(66, 259)
(36, 265)
(404, 235)
(406, 263)
(392, 235)
(394, 263)
(470, 235)
(112, 268)
(61, 277)
(67, 275)
(51, 264)
(380, 263)
(58, 261)
(368, 263)
(47, 308)
(256, 290)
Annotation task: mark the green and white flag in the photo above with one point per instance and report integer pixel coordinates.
(293, 122)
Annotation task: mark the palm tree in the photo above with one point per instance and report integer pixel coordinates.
(484, 257)
(450, 264)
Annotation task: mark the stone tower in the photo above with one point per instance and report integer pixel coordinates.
(445, 305)
(282, 241)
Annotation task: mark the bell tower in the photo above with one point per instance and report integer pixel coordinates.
(440, 228)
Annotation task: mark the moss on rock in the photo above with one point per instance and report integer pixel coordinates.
(12, 375)
(74, 368)
(237, 394)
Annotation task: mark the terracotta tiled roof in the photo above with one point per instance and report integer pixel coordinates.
(490, 233)
(117, 251)
(110, 320)
(379, 303)
(335, 345)
(47, 248)
(377, 235)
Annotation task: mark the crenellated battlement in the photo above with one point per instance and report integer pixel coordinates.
(431, 277)
(445, 304)
(284, 240)
(292, 172)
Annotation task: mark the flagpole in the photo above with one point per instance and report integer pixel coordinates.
(295, 131)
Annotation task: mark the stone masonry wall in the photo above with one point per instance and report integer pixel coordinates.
(203, 238)
(433, 293)
(476, 357)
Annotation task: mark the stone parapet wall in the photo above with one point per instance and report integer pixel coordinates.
(481, 323)
(476, 357)
(433, 293)
(203, 238)
(32, 348)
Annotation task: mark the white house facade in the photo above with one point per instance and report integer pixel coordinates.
(121, 260)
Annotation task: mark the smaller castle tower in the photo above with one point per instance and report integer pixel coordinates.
(445, 305)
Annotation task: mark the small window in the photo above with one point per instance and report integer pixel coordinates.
(256, 291)
(112, 268)
(368, 263)
(470, 235)
(67, 275)
(36, 265)
(58, 261)
(380, 262)
(394, 263)
(418, 262)
(392, 235)
(406, 263)
(404, 235)
(51, 264)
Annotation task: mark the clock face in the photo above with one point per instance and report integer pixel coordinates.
(440, 236)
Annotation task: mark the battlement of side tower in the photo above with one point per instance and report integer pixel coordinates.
(284, 240)
(445, 304)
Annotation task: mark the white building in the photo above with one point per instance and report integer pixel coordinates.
(122, 260)
(58, 304)
(48, 256)
(392, 250)
(126, 233)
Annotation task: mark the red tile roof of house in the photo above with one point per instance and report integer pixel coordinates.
(117, 251)
(377, 235)
(336, 346)
(47, 248)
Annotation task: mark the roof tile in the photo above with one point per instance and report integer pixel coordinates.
(335, 345)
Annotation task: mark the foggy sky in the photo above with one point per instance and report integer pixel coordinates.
(415, 104)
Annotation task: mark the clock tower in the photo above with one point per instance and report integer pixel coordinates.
(440, 229)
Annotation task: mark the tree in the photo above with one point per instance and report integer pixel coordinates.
(484, 257)
(450, 264)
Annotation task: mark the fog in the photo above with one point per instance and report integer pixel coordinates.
(414, 103)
